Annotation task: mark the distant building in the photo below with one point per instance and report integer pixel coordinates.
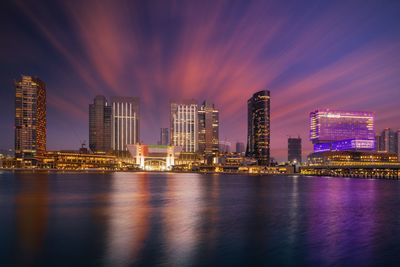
(225, 146)
(125, 124)
(258, 127)
(240, 148)
(208, 129)
(164, 137)
(342, 130)
(100, 113)
(294, 150)
(388, 141)
(30, 119)
(184, 125)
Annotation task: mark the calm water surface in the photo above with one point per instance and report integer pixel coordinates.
(151, 219)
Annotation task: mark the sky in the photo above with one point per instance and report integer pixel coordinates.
(310, 54)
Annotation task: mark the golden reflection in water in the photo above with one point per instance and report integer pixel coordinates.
(129, 218)
(31, 217)
(182, 218)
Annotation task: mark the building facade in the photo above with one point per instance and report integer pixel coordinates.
(342, 130)
(294, 150)
(30, 119)
(100, 125)
(388, 141)
(258, 127)
(125, 124)
(208, 129)
(184, 125)
(164, 137)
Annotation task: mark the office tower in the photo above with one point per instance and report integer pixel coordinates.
(30, 119)
(240, 148)
(388, 141)
(225, 146)
(342, 130)
(294, 150)
(208, 129)
(125, 124)
(100, 125)
(164, 137)
(184, 125)
(258, 127)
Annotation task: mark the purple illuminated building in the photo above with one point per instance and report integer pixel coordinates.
(342, 130)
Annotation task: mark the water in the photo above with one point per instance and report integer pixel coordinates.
(159, 219)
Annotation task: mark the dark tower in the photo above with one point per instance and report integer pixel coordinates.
(258, 127)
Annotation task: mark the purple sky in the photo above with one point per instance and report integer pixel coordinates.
(309, 54)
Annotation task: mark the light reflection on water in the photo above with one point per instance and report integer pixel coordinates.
(158, 219)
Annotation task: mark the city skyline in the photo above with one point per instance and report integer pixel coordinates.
(206, 60)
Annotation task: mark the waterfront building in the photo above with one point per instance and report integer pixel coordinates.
(208, 129)
(125, 124)
(75, 160)
(388, 141)
(164, 137)
(184, 125)
(30, 120)
(294, 150)
(154, 157)
(240, 148)
(100, 125)
(258, 127)
(353, 164)
(342, 130)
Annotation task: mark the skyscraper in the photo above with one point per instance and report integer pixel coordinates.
(100, 125)
(125, 124)
(388, 141)
(208, 129)
(240, 148)
(164, 136)
(258, 127)
(30, 119)
(294, 150)
(342, 130)
(184, 125)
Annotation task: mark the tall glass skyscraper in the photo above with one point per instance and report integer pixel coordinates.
(30, 119)
(100, 125)
(294, 150)
(388, 141)
(125, 124)
(184, 125)
(208, 129)
(342, 130)
(258, 127)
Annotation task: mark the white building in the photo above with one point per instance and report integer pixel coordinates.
(125, 123)
(184, 125)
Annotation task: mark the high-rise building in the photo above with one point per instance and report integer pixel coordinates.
(100, 125)
(125, 124)
(184, 125)
(225, 146)
(208, 129)
(30, 119)
(164, 137)
(342, 130)
(388, 141)
(258, 127)
(240, 147)
(294, 150)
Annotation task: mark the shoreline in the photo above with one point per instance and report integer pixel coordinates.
(22, 170)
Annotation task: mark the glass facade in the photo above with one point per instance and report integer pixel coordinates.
(258, 127)
(208, 129)
(342, 130)
(100, 125)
